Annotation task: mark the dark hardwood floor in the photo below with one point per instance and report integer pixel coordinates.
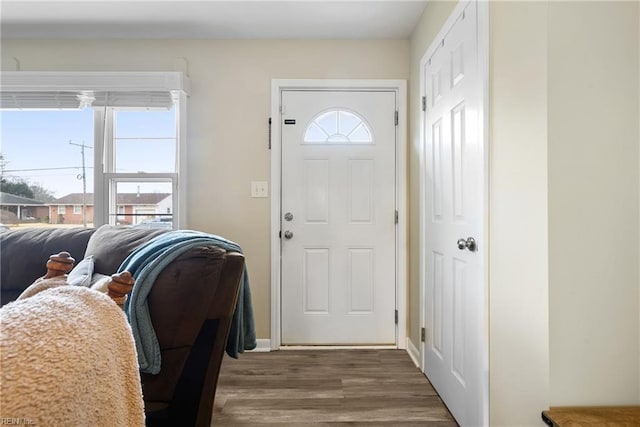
(326, 388)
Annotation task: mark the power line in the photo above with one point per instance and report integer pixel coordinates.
(46, 169)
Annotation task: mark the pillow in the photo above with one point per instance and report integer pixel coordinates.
(99, 282)
(97, 277)
(110, 245)
(81, 273)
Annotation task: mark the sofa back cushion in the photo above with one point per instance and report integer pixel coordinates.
(110, 245)
(24, 254)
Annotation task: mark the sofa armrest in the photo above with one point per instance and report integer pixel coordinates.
(191, 306)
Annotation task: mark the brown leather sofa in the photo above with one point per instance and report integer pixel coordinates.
(191, 304)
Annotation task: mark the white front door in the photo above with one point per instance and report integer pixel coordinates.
(453, 221)
(338, 217)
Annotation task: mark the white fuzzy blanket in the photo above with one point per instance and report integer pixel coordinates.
(68, 359)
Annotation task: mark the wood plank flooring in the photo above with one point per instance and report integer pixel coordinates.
(326, 388)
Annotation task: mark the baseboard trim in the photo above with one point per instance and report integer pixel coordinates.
(413, 352)
(263, 346)
(338, 347)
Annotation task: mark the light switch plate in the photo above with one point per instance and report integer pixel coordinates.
(259, 189)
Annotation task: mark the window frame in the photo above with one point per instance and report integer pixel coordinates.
(176, 83)
(106, 178)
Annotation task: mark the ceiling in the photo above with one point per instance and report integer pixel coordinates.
(209, 19)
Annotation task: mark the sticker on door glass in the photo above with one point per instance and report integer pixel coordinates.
(338, 127)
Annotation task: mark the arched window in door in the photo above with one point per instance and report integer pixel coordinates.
(338, 127)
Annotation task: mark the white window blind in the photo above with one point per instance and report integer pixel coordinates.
(77, 90)
(39, 100)
(86, 98)
(138, 99)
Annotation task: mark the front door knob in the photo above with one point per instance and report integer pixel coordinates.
(469, 243)
(288, 234)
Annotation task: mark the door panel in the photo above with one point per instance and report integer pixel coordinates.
(338, 183)
(454, 277)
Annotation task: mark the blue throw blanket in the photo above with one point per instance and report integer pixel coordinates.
(147, 261)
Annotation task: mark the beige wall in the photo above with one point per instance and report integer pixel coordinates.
(228, 111)
(593, 202)
(518, 286)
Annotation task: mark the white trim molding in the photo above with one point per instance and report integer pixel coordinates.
(400, 87)
(263, 346)
(414, 353)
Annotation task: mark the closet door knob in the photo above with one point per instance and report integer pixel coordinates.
(468, 243)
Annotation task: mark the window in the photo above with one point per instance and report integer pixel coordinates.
(129, 123)
(143, 201)
(140, 166)
(42, 163)
(338, 127)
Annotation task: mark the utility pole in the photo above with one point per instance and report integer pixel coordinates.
(84, 182)
(3, 166)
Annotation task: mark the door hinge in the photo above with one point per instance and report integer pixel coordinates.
(269, 133)
(396, 217)
(395, 118)
(423, 333)
(396, 317)
(424, 103)
(280, 234)
(282, 109)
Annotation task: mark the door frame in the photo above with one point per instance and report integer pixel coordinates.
(400, 88)
(482, 32)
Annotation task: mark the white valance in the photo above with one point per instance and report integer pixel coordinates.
(61, 90)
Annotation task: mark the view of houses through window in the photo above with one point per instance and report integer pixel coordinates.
(47, 166)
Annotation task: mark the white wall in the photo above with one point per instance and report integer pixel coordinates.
(593, 203)
(227, 121)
